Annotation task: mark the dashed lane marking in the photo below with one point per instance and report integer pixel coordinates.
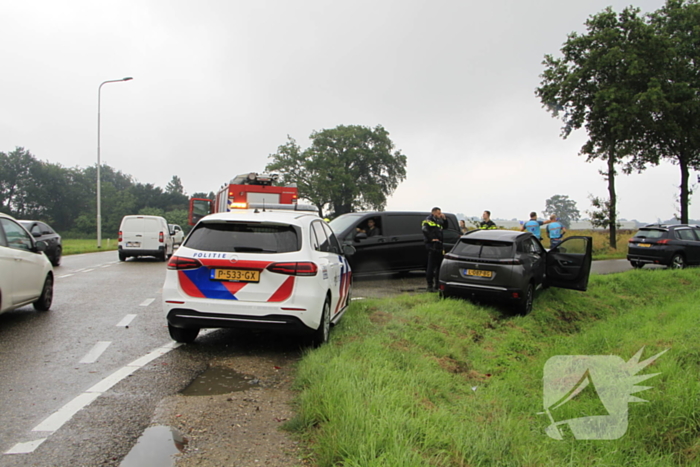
(59, 418)
(95, 352)
(147, 302)
(126, 321)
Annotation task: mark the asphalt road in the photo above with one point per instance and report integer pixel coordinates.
(80, 383)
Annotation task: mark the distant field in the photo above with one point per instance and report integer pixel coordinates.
(72, 246)
(601, 245)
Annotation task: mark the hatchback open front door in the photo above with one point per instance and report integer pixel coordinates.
(569, 264)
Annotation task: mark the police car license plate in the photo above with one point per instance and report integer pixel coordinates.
(644, 245)
(238, 275)
(478, 273)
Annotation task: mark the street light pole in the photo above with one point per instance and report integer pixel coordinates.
(99, 192)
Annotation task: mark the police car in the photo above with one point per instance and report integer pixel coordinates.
(264, 268)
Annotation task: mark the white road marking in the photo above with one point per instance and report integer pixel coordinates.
(147, 302)
(79, 270)
(65, 275)
(126, 321)
(25, 448)
(65, 413)
(56, 420)
(105, 265)
(87, 270)
(95, 352)
(357, 298)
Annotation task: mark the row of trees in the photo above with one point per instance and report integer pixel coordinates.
(66, 197)
(633, 83)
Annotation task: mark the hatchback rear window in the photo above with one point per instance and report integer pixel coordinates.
(244, 237)
(483, 249)
(650, 233)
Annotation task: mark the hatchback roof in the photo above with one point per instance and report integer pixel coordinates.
(489, 234)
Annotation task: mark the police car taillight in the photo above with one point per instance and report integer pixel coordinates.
(179, 263)
(304, 268)
(161, 237)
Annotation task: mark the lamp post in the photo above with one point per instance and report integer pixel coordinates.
(99, 192)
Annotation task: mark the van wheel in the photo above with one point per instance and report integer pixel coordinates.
(163, 256)
(525, 306)
(122, 256)
(43, 303)
(183, 335)
(322, 334)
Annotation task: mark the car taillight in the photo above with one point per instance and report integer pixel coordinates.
(161, 237)
(305, 268)
(179, 263)
(119, 236)
(662, 241)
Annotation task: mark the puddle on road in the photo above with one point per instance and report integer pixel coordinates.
(219, 380)
(156, 448)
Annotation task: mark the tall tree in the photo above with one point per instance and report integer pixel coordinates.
(346, 168)
(175, 186)
(564, 208)
(596, 84)
(673, 98)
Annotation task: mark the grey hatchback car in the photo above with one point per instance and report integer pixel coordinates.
(510, 266)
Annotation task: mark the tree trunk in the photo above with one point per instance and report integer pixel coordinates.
(685, 174)
(613, 200)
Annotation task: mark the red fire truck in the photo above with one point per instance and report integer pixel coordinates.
(240, 192)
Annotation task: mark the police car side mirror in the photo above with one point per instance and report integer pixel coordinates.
(349, 250)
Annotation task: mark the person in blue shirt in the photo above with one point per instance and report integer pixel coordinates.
(533, 225)
(555, 231)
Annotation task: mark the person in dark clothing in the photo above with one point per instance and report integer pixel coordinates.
(432, 228)
(486, 222)
(371, 230)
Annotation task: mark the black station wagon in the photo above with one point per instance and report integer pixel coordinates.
(509, 265)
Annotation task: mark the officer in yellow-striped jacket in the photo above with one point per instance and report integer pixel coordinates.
(432, 228)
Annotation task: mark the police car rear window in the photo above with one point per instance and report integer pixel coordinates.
(240, 237)
(483, 249)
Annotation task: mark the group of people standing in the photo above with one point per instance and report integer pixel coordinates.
(436, 222)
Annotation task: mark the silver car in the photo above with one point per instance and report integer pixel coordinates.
(510, 265)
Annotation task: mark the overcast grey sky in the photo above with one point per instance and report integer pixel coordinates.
(218, 86)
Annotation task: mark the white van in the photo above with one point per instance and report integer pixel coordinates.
(145, 236)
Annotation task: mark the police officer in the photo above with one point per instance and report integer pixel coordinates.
(555, 231)
(486, 222)
(432, 228)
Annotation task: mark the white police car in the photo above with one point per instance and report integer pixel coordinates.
(258, 269)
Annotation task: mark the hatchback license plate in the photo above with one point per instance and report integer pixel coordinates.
(478, 273)
(644, 245)
(238, 275)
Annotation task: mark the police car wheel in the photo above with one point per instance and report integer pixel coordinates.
(321, 335)
(183, 335)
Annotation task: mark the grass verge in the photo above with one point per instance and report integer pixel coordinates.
(416, 381)
(73, 246)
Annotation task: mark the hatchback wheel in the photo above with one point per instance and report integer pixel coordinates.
(43, 303)
(677, 262)
(525, 305)
(56, 260)
(321, 335)
(637, 264)
(183, 335)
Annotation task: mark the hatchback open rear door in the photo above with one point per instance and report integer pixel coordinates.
(569, 264)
